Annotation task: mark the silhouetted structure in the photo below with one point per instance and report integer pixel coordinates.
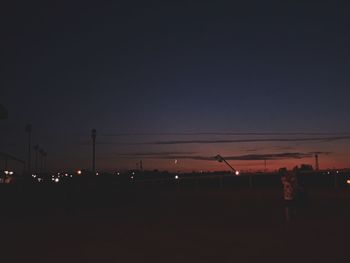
(36, 149)
(28, 129)
(3, 112)
(93, 136)
(7, 157)
(316, 162)
(41, 152)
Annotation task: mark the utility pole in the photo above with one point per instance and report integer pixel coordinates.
(28, 129)
(41, 151)
(36, 148)
(44, 161)
(93, 136)
(316, 162)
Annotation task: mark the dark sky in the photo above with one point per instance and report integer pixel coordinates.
(142, 72)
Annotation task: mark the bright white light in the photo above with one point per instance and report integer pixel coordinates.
(132, 177)
(33, 175)
(97, 173)
(118, 173)
(57, 180)
(236, 172)
(6, 172)
(39, 180)
(79, 172)
(348, 181)
(65, 174)
(133, 173)
(337, 172)
(11, 173)
(176, 177)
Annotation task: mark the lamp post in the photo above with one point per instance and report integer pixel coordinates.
(41, 151)
(93, 136)
(36, 149)
(28, 129)
(221, 159)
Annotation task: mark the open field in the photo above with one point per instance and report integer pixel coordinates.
(172, 225)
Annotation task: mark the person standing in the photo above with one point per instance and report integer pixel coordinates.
(290, 187)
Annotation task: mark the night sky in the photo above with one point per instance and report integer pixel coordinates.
(165, 81)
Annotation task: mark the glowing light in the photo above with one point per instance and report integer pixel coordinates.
(65, 174)
(133, 173)
(79, 172)
(237, 172)
(132, 177)
(118, 173)
(11, 173)
(348, 181)
(6, 172)
(97, 173)
(39, 180)
(57, 180)
(176, 177)
(33, 175)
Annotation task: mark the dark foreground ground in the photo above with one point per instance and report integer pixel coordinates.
(174, 225)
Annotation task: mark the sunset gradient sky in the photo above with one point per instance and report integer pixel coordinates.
(164, 81)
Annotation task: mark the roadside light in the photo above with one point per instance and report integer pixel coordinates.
(237, 172)
(348, 182)
(11, 173)
(176, 177)
(57, 180)
(79, 172)
(6, 172)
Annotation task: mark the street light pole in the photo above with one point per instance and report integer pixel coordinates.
(29, 131)
(93, 136)
(36, 148)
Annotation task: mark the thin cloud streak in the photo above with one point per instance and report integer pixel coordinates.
(249, 157)
(227, 141)
(227, 134)
(315, 139)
